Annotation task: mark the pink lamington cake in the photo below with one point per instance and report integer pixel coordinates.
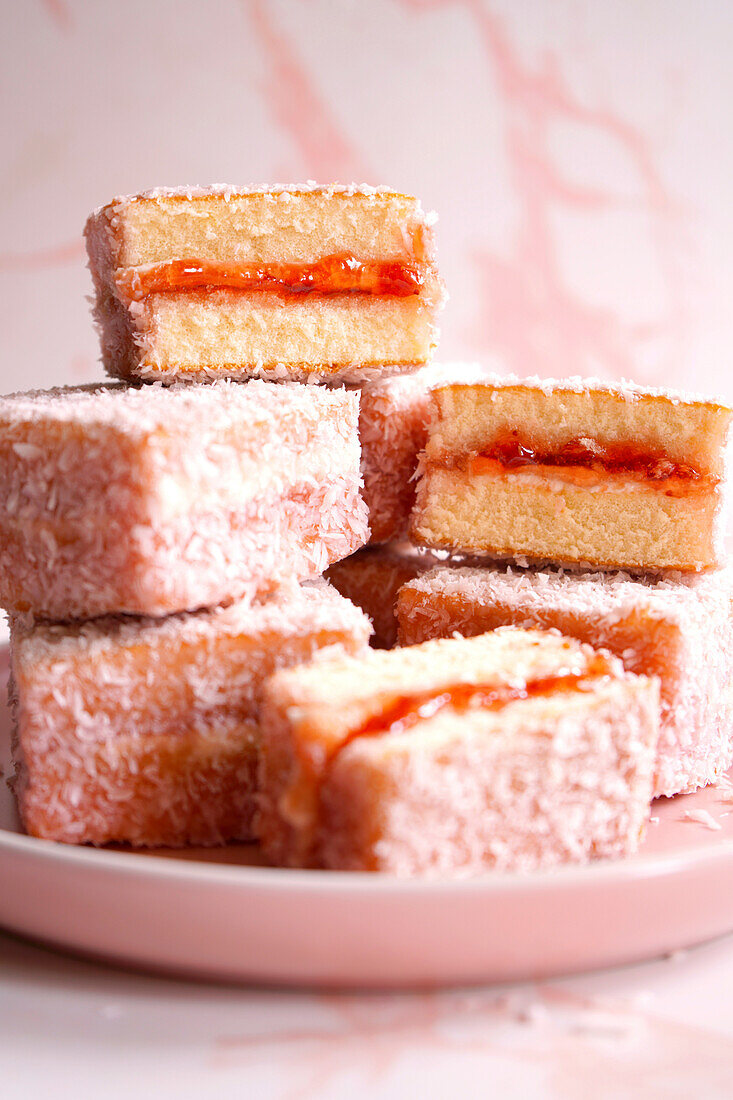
(154, 500)
(514, 750)
(329, 283)
(575, 471)
(679, 628)
(393, 426)
(146, 730)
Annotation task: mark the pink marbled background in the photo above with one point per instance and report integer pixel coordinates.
(579, 154)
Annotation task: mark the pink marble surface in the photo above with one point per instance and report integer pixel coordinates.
(663, 1031)
(579, 155)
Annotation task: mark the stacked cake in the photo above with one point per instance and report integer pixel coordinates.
(606, 506)
(182, 673)
(164, 538)
(591, 511)
(613, 501)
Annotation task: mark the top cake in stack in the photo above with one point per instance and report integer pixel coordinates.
(329, 283)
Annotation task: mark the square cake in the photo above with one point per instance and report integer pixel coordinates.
(160, 499)
(514, 750)
(145, 730)
(575, 472)
(289, 282)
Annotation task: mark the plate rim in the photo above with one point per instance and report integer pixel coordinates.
(603, 872)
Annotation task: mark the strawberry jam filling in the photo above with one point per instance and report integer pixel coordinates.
(342, 274)
(587, 462)
(409, 710)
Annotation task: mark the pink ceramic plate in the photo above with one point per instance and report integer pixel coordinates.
(219, 914)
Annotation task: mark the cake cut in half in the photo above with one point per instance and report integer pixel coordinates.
(679, 628)
(160, 499)
(145, 731)
(575, 472)
(287, 282)
(372, 577)
(512, 751)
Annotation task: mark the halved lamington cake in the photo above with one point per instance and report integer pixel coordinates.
(574, 471)
(146, 730)
(287, 282)
(513, 750)
(158, 499)
(679, 629)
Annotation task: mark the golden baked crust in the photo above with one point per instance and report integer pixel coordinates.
(201, 335)
(622, 528)
(687, 429)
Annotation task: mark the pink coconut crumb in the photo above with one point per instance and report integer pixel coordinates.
(146, 731)
(154, 500)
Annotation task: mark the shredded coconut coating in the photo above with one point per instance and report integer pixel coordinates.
(526, 792)
(556, 778)
(156, 500)
(393, 427)
(631, 391)
(278, 191)
(678, 627)
(145, 731)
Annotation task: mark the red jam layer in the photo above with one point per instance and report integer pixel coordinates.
(586, 461)
(408, 710)
(342, 274)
